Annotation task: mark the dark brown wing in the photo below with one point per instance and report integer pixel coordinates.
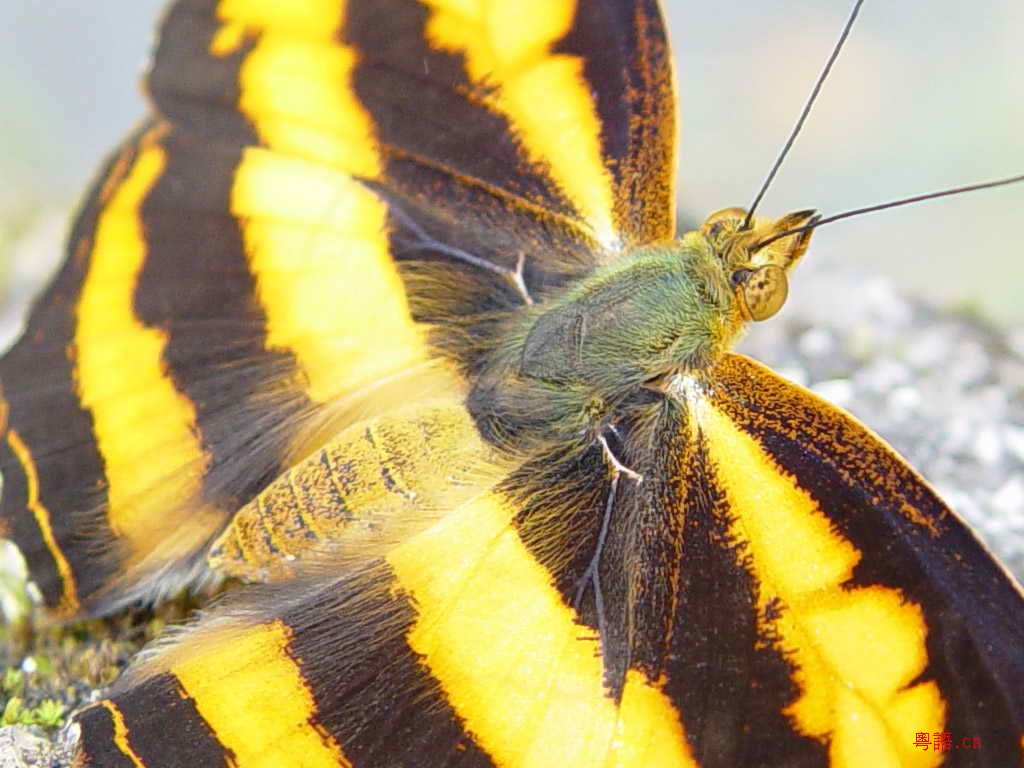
(815, 602)
(780, 590)
(321, 179)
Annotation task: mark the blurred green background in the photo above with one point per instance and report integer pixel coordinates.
(928, 94)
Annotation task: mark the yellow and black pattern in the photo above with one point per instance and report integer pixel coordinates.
(902, 595)
(771, 633)
(564, 105)
(327, 322)
(49, 434)
(237, 267)
(423, 689)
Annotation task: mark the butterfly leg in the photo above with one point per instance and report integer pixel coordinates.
(592, 574)
(617, 467)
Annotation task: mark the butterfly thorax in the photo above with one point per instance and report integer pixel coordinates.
(664, 308)
(661, 310)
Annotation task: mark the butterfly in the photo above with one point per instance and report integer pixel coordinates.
(383, 311)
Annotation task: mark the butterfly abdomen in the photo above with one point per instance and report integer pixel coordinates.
(377, 482)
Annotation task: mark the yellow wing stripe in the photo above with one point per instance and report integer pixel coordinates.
(121, 733)
(306, 18)
(266, 716)
(490, 620)
(317, 243)
(299, 93)
(69, 598)
(137, 410)
(508, 45)
(316, 239)
(855, 650)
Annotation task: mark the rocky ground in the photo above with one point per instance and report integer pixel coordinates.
(946, 389)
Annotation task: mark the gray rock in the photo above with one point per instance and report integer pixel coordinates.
(27, 747)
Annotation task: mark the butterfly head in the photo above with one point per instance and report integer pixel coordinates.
(758, 272)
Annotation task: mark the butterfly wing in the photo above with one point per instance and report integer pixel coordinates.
(781, 589)
(828, 606)
(454, 650)
(564, 105)
(321, 182)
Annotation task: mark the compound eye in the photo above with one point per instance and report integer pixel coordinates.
(763, 291)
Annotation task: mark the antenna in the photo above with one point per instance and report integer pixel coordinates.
(891, 204)
(803, 115)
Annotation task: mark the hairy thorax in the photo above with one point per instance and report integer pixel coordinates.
(621, 332)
